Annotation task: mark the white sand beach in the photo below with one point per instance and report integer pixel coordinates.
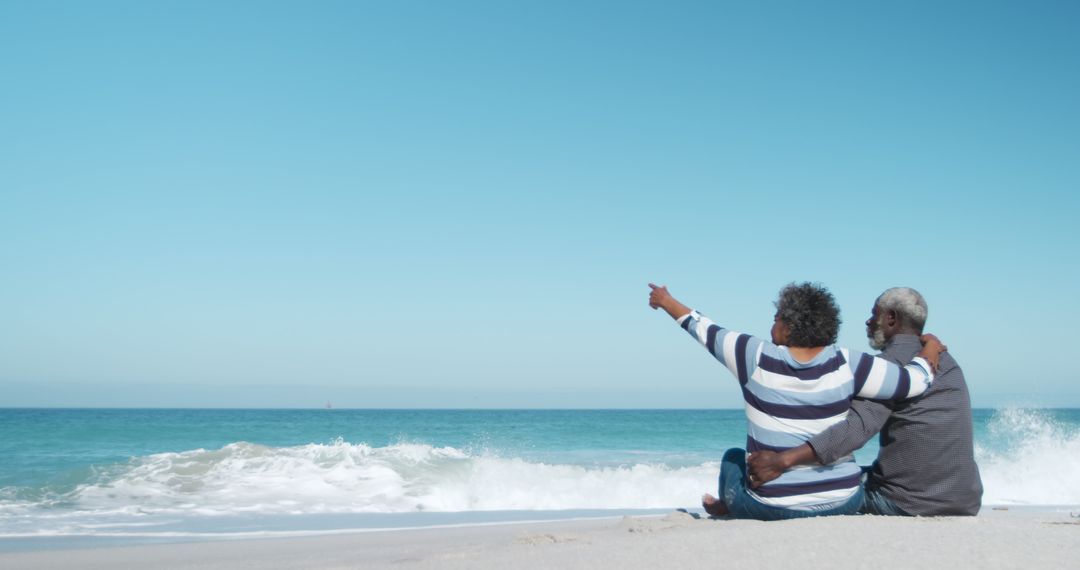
(994, 539)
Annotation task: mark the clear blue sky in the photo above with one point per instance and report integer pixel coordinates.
(431, 204)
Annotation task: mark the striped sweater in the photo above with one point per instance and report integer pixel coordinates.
(788, 402)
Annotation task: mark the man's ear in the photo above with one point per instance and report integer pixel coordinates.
(891, 318)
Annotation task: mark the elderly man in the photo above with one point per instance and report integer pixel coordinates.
(926, 465)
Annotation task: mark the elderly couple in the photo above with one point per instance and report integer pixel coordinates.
(810, 404)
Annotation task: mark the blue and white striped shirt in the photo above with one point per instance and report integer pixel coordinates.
(788, 402)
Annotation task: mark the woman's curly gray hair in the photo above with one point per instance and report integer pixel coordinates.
(810, 312)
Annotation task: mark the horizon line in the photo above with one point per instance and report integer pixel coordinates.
(447, 409)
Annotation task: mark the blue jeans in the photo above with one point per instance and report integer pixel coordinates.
(876, 503)
(741, 505)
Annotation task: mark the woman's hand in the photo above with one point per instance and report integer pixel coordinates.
(658, 296)
(932, 349)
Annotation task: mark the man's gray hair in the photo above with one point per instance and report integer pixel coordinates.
(909, 305)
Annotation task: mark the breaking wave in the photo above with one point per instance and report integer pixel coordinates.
(1029, 458)
(355, 478)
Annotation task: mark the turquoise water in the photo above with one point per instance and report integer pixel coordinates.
(160, 474)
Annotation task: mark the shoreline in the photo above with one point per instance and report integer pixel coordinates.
(39, 542)
(316, 525)
(313, 526)
(1019, 537)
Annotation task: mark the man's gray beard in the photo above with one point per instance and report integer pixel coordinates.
(877, 340)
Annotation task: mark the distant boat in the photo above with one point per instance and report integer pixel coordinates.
(329, 406)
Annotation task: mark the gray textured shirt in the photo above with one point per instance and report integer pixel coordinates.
(926, 465)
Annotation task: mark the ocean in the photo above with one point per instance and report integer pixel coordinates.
(72, 477)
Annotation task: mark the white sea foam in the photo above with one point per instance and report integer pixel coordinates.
(356, 478)
(1030, 459)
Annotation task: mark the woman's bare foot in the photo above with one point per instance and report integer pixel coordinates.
(713, 506)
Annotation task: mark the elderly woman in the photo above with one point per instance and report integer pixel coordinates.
(795, 387)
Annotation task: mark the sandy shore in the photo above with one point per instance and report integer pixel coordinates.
(995, 539)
